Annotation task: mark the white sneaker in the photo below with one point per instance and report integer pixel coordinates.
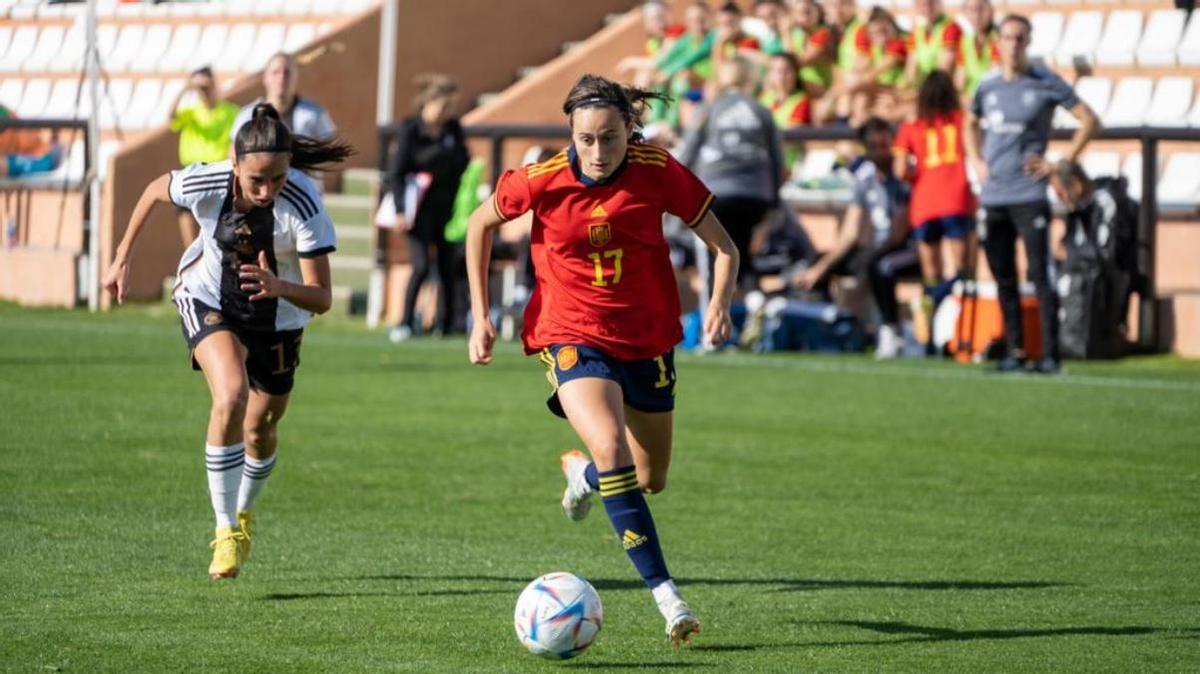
(577, 497)
(887, 343)
(682, 623)
(400, 333)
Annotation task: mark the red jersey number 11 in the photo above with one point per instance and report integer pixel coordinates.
(598, 260)
(949, 152)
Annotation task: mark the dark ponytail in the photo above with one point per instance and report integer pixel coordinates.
(592, 91)
(265, 132)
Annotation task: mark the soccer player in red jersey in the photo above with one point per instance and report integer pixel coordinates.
(929, 151)
(605, 309)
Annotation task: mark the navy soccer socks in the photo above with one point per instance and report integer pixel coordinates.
(630, 516)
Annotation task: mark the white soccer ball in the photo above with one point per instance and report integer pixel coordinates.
(558, 616)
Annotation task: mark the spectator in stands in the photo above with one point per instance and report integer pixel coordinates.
(850, 40)
(731, 41)
(1018, 101)
(25, 151)
(942, 205)
(805, 35)
(875, 86)
(935, 40)
(736, 151)
(660, 31)
(784, 96)
(205, 132)
(424, 175)
(979, 51)
(873, 239)
(301, 115)
(683, 67)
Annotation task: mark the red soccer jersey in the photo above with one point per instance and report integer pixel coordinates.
(941, 188)
(603, 270)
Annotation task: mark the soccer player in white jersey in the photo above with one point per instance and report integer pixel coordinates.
(246, 288)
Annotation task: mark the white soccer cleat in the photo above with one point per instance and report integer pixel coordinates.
(577, 497)
(681, 623)
(888, 343)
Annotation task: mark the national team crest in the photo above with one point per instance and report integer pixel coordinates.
(599, 234)
(212, 318)
(567, 357)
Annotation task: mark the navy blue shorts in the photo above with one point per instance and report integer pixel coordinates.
(951, 227)
(646, 385)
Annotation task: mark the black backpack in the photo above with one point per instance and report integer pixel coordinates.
(1099, 273)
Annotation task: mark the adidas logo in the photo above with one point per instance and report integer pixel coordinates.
(631, 540)
(599, 212)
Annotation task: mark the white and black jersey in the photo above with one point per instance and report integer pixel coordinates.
(294, 226)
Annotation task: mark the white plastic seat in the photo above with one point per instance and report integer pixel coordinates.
(325, 7)
(183, 10)
(69, 57)
(208, 48)
(297, 8)
(269, 41)
(1095, 91)
(1119, 43)
(1178, 184)
(24, 40)
(33, 98)
(106, 9)
(817, 164)
(178, 54)
(143, 105)
(162, 111)
(1161, 38)
(106, 41)
(1131, 169)
(1188, 51)
(127, 47)
(1169, 106)
(1080, 38)
(269, 7)
(62, 101)
(130, 10)
(114, 101)
(158, 38)
(10, 91)
(299, 35)
(1047, 34)
(6, 36)
(1101, 163)
(237, 48)
(1130, 101)
(23, 12)
(1194, 115)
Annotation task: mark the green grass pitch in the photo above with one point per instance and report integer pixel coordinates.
(823, 513)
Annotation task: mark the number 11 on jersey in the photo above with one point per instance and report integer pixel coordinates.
(598, 263)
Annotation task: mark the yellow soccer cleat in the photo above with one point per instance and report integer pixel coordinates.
(227, 553)
(244, 523)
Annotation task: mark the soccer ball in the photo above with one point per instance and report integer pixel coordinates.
(558, 616)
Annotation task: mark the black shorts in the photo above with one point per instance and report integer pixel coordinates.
(646, 385)
(271, 357)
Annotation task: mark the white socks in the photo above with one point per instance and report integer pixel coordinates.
(224, 466)
(667, 596)
(254, 478)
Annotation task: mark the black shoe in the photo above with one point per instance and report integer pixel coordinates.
(1047, 365)
(1010, 364)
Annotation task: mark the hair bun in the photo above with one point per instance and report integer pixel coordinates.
(264, 110)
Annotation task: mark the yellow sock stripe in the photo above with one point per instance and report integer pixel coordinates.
(619, 476)
(617, 490)
(611, 485)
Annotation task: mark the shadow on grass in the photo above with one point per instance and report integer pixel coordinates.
(923, 634)
(776, 584)
(292, 596)
(592, 664)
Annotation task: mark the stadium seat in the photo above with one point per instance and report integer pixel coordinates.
(1188, 52)
(107, 149)
(297, 8)
(1161, 38)
(23, 12)
(162, 111)
(1047, 33)
(183, 10)
(106, 41)
(299, 35)
(33, 98)
(6, 36)
(1080, 38)
(1102, 163)
(269, 7)
(10, 91)
(179, 53)
(143, 106)
(114, 101)
(1095, 91)
(69, 57)
(232, 57)
(325, 7)
(62, 101)
(211, 45)
(269, 41)
(1131, 169)
(50, 41)
(1194, 115)
(1178, 186)
(1129, 103)
(1118, 44)
(1169, 106)
(24, 40)
(127, 47)
(106, 9)
(158, 38)
(130, 10)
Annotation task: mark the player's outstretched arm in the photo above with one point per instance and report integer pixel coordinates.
(717, 325)
(116, 279)
(480, 227)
